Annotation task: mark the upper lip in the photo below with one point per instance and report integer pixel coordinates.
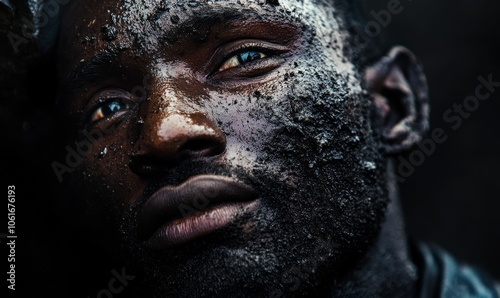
(204, 190)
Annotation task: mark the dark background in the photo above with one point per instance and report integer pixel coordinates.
(453, 198)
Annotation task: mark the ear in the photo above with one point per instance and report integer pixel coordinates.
(399, 89)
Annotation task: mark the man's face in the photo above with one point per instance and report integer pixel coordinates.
(237, 148)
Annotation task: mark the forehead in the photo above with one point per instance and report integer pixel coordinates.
(147, 28)
(138, 19)
(153, 9)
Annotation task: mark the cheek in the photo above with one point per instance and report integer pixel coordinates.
(326, 144)
(246, 120)
(104, 177)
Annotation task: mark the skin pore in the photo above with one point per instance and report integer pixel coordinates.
(262, 93)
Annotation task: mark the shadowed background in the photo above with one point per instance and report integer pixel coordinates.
(453, 198)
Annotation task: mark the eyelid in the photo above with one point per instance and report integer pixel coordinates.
(235, 59)
(102, 97)
(226, 51)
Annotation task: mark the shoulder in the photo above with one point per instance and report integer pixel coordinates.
(441, 276)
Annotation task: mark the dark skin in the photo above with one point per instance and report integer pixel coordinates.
(244, 92)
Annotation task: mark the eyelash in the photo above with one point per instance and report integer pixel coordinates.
(258, 53)
(237, 58)
(105, 102)
(267, 51)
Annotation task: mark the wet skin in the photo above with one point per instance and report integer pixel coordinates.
(258, 94)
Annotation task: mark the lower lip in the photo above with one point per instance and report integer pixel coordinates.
(198, 224)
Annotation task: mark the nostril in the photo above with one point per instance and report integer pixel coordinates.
(202, 146)
(196, 145)
(145, 165)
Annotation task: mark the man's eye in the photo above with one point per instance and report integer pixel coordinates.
(242, 58)
(108, 108)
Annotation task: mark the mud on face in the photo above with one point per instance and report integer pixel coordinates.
(297, 126)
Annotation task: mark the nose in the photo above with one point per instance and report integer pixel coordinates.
(172, 135)
(184, 135)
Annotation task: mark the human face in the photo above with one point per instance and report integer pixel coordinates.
(250, 106)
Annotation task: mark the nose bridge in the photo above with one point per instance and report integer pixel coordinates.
(176, 127)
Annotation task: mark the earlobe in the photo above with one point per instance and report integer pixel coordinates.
(399, 90)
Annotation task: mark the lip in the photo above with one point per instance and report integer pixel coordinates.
(197, 207)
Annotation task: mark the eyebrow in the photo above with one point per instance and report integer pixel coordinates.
(210, 18)
(108, 60)
(92, 70)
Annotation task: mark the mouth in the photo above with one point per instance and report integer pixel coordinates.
(199, 206)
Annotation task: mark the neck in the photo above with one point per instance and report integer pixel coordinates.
(387, 270)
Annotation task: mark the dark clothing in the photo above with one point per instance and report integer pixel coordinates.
(440, 276)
